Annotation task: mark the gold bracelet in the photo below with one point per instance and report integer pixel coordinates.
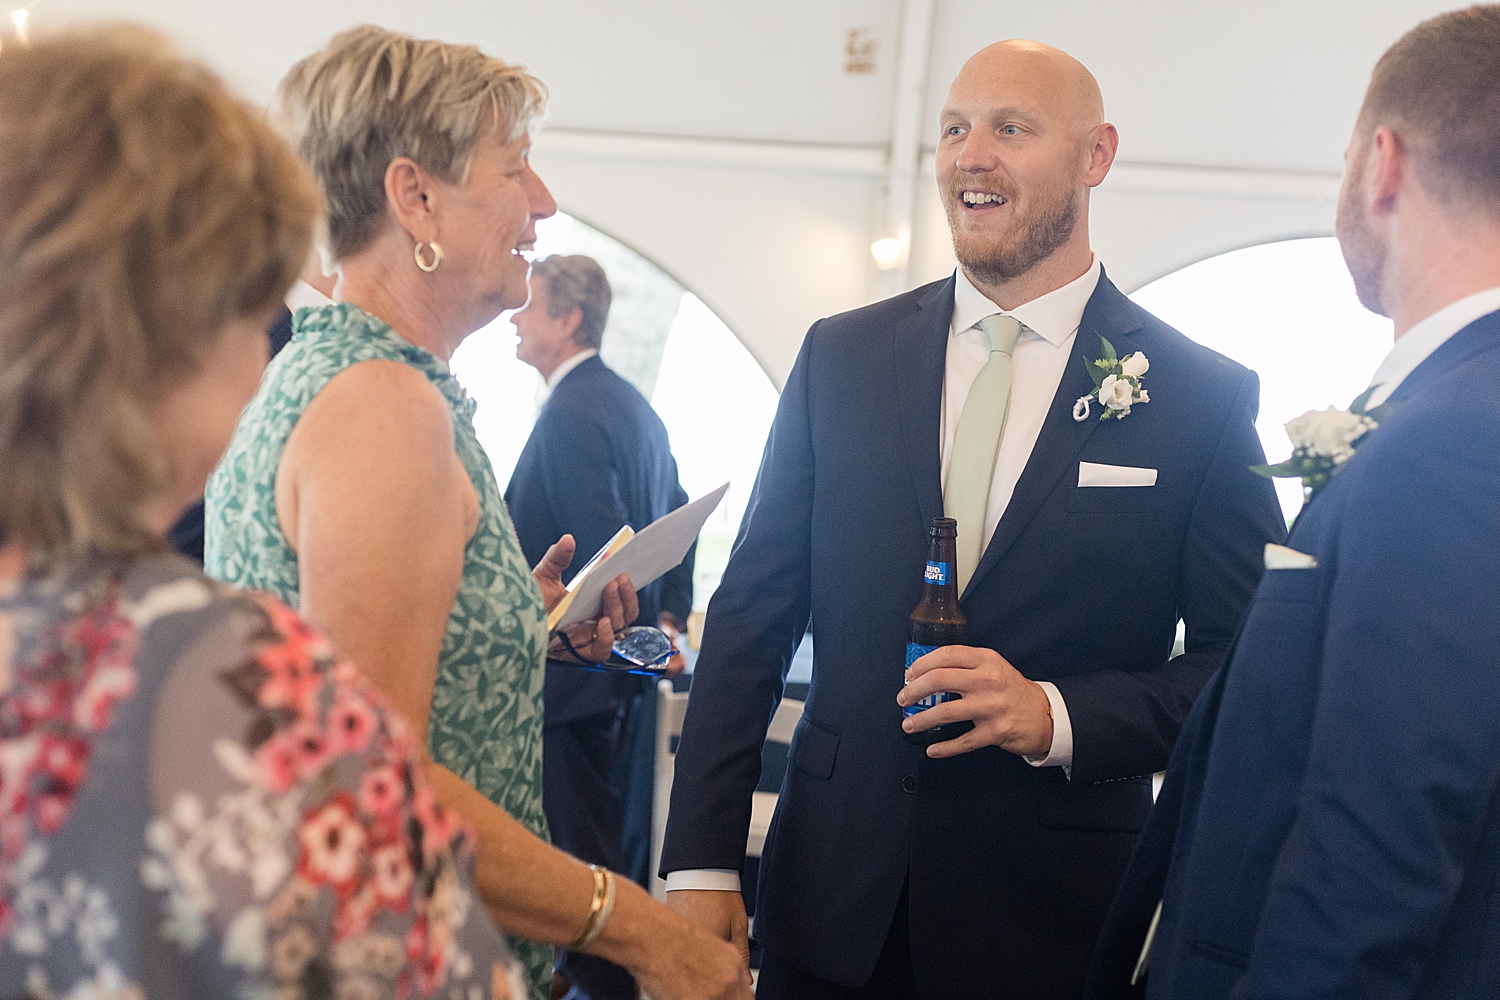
(600, 908)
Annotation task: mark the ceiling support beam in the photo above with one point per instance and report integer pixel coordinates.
(909, 131)
(872, 162)
(732, 154)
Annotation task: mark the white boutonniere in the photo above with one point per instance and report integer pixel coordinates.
(1323, 440)
(1117, 384)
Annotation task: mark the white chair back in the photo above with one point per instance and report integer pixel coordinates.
(763, 807)
(671, 707)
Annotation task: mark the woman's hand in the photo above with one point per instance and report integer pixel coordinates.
(591, 640)
(672, 957)
(549, 571)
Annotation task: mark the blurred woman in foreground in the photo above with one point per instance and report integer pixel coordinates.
(356, 490)
(197, 797)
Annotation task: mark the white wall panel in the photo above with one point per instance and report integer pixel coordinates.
(1269, 83)
(772, 228)
(769, 249)
(1273, 84)
(772, 70)
(1142, 235)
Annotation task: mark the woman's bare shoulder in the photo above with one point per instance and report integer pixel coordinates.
(376, 442)
(385, 406)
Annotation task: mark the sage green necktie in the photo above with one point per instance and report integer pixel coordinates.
(971, 467)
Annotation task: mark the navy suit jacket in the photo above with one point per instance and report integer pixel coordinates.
(1330, 823)
(597, 459)
(1011, 868)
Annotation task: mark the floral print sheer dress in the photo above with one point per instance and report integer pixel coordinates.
(199, 799)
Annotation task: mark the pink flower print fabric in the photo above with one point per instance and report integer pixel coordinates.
(58, 702)
(199, 797)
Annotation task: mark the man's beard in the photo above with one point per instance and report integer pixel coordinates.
(1040, 236)
(1363, 253)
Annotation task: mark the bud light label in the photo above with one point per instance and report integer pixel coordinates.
(938, 572)
(915, 650)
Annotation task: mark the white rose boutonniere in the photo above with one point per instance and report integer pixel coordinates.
(1323, 440)
(1117, 384)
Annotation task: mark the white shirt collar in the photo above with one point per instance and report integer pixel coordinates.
(561, 371)
(1054, 317)
(304, 296)
(1418, 343)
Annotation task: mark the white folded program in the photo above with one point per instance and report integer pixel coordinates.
(1095, 474)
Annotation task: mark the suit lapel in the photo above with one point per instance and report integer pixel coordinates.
(1055, 454)
(920, 348)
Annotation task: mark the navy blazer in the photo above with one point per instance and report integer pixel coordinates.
(597, 459)
(1330, 823)
(1011, 868)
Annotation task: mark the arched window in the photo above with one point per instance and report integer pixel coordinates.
(716, 401)
(1288, 311)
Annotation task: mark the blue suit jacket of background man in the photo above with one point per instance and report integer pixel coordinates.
(1330, 824)
(598, 458)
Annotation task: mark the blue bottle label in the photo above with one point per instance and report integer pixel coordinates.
(938, 572)
(914, 650)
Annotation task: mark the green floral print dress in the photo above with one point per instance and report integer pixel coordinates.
(486, 720)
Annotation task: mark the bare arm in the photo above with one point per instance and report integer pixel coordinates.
(379, 509)
(377, 506)
(671, 957)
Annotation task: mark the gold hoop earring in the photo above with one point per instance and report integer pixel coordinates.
(437, 256)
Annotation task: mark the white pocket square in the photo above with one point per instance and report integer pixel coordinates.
(1094, 474)
(1281, 557)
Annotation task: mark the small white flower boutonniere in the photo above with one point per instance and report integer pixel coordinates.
(1323, 440)
(1117, 384)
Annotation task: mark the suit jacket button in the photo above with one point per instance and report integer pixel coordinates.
(909, 783)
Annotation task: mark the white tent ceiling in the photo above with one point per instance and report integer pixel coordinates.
(728, 142)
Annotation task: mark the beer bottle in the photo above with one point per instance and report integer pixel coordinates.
(937, 621)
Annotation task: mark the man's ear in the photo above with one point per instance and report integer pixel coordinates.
(413, 197)
(575, 320)
(1386, 167)
(1103, 143)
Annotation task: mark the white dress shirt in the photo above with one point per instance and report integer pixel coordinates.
(1418, 343)
(1038, 362)
(304, 296)
(1040, 357)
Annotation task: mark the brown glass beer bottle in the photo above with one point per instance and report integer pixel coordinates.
(937, 621)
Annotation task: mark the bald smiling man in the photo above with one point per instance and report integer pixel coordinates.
(982, 865)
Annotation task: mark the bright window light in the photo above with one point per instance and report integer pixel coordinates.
(715, 400)
(1288, 311)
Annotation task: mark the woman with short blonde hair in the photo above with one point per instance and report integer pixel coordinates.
(372, 95)
(198, 798)
(356, 489)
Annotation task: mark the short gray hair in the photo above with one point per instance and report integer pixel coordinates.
(371, 95)
(577, 282)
